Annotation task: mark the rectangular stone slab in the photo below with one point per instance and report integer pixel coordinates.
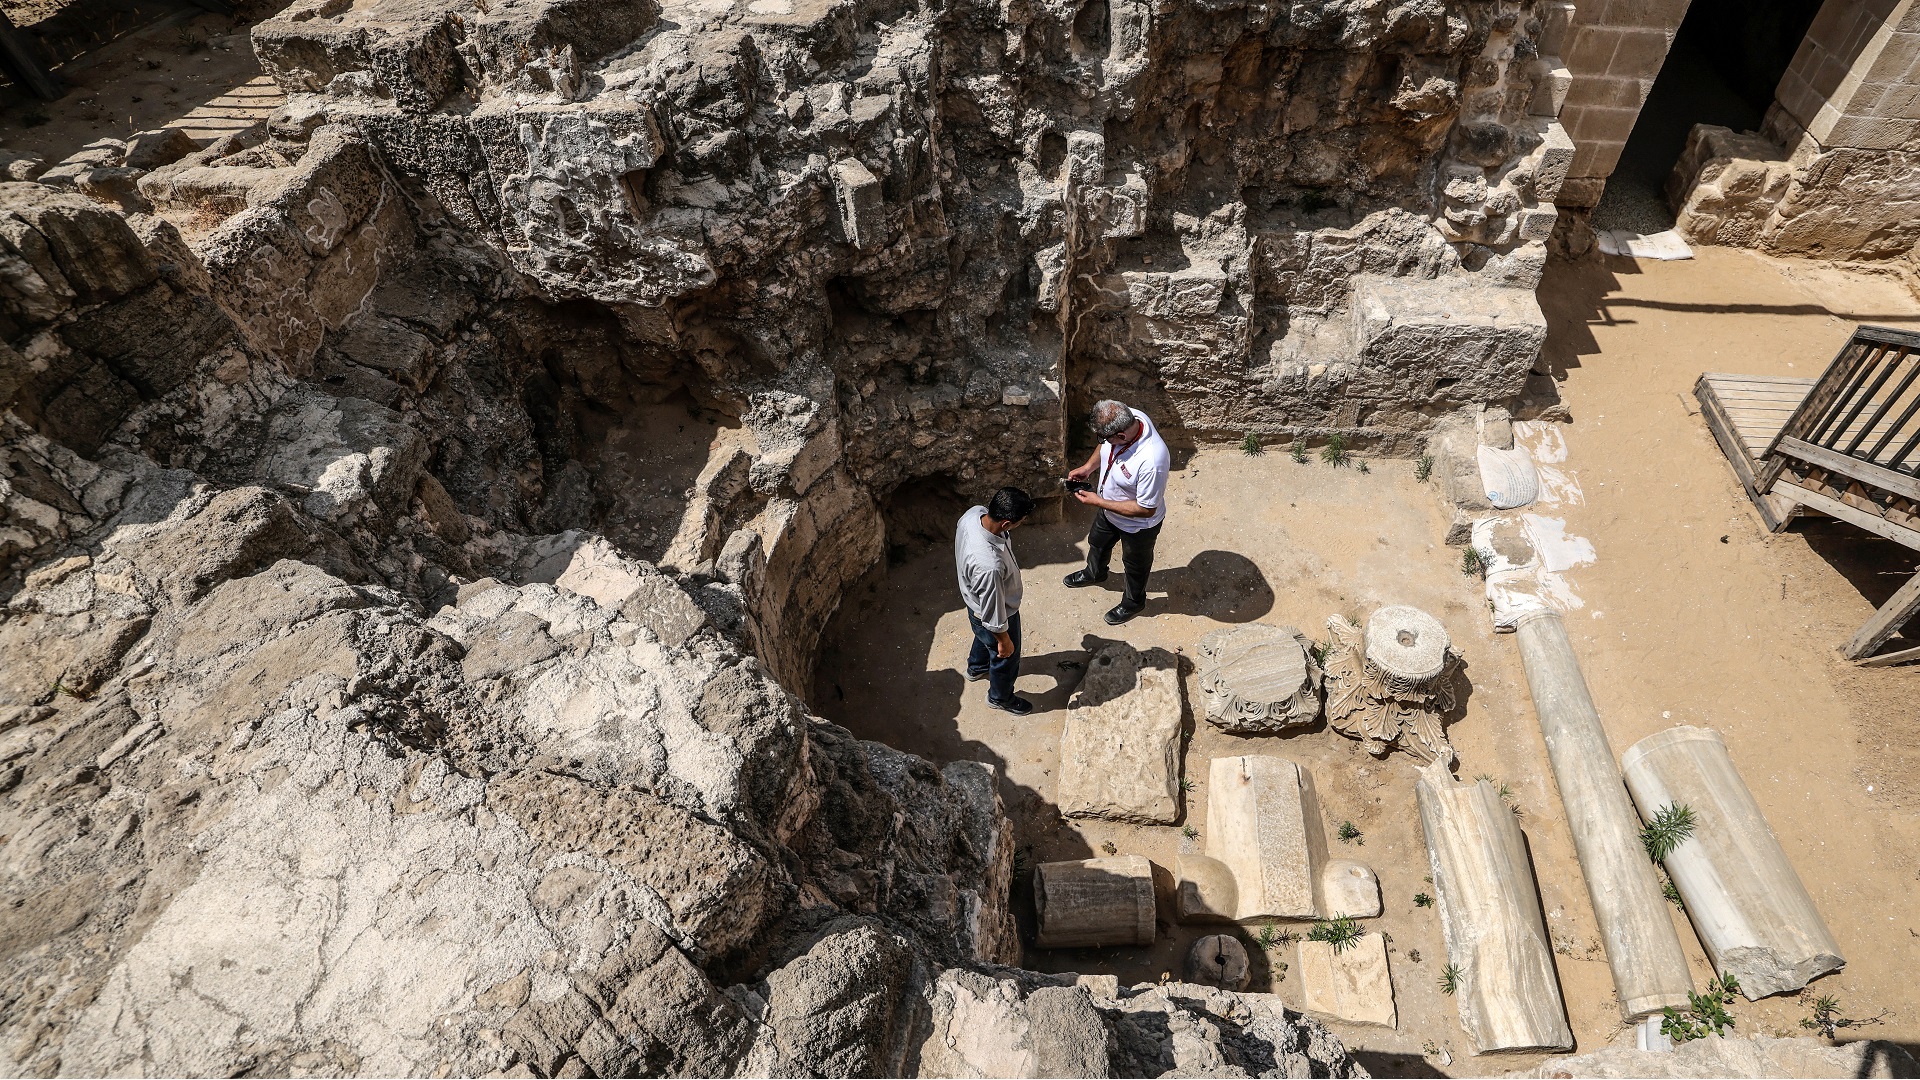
(1353, 985)
(1120, 754)
(1263, 823)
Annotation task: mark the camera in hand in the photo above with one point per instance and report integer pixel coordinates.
(1074, 486)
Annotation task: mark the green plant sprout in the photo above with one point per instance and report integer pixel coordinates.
(1471, 564)
(1335, 452)
(1450, 979)
(1423, 468)
(1250, 445)
(1342, 933)
(1670, 827)
(1706, 1014)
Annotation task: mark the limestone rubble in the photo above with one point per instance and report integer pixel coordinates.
(415, 516)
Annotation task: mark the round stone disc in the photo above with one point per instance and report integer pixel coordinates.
(1263, 666)
(1407, 643)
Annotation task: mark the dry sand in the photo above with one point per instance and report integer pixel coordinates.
(134, 65)
(1678, 626)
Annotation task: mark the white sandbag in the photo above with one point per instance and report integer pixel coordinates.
(1508, 477)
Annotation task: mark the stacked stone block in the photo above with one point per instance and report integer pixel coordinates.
(1614, 50)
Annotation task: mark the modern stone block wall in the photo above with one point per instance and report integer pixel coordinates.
(1855, 80)
(1835, 172)
(1614, 50)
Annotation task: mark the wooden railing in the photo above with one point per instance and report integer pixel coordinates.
(1850, 451)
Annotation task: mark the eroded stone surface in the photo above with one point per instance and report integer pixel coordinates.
(1259, 678)
(1120, 753)
(1263, 824)
(465, 466)
(1351, 984)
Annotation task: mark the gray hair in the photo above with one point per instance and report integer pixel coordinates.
(1110, 418)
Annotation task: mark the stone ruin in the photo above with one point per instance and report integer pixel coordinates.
(416, 516)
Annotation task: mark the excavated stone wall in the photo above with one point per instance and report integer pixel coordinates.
(413, 514)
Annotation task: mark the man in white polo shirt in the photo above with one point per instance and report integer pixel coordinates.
(1132, 463)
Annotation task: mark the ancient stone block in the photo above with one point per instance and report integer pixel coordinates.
(1555, 160)
(1352, 984)
(1204, 889)
(858, 201)
(1259, 678)
(1264, 825)
(1444, 340)
(1726, 186)
(1551, 81)
(148, 150)
(1092, 903)
(1120, 753)
(1349, 888)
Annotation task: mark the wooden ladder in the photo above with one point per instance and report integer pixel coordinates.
(1849, 451)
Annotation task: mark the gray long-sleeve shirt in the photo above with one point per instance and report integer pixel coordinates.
(989, 572)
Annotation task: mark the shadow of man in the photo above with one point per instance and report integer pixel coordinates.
(1224, 586)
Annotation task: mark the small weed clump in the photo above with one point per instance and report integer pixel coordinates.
(1298, 451)
(1672, 894)
(1250, 445)
(1335, 453)
(1349, 833)
(1341, 933)
(1471, 564)
(1189, 832)
(1421, 899)
(1670, 827)
(1827, 1017)
(1186, 783)
(1705, 1014)
(1450, 979)
(1423, 468)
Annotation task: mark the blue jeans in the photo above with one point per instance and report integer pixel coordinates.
(985, 656)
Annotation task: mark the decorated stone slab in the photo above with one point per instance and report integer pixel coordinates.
(1259, 679)
(1390, 685)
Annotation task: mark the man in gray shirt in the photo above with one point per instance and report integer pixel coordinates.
(990, 585)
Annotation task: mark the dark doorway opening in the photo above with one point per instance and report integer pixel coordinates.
(1725, 64)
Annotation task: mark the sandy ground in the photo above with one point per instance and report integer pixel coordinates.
(1691, 613)
(180, 68)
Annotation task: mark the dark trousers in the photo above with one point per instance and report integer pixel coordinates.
(985, 656)
(1136, 556)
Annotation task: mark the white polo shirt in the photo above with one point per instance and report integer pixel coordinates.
(1138, 473)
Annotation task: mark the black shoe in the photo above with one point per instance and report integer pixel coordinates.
(1018, 706)
(976, 676)
(1080, 579)
(1121, 613)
